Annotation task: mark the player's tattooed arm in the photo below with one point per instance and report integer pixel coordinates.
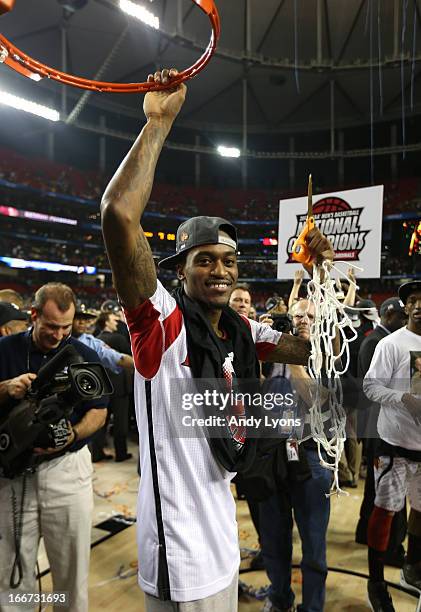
(290, 349)
(128, 193)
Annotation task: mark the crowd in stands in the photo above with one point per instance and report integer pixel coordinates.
(81, 244)
(402, 196)
(48, 176)
(393, 266)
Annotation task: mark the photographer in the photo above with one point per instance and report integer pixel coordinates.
(56, 500)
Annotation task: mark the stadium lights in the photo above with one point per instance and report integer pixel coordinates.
(135, 10)
(29, 107)
(22, 264)
(228, 151)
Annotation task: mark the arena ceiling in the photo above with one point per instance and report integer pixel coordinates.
(305, 64)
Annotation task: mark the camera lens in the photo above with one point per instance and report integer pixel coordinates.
(88, 383)
(4, 442)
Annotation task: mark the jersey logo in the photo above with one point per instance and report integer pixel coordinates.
(227, 366)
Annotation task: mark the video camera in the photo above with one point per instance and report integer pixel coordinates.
(277, 309)
(41, 419)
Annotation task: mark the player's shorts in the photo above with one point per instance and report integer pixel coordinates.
(395, 478)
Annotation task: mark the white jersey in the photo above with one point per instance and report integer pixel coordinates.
(387, 379)
(186, 521)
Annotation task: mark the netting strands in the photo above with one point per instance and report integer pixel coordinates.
(325, 368)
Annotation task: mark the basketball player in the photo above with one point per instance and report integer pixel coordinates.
(398, 463)
(187, 532)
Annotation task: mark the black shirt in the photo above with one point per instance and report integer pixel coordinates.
(122, 382)
(19, 355)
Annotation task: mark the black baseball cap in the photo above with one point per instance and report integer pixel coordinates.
(392, 304)
(406, 289)
(354, 315)
(83, 312)
(369, 309)
(197, 231)
(10, 312)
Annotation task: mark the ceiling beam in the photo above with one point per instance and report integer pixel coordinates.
(328, 36)
(350, 32)
(214, 97)
(398, 95)
(163, 45)
(304, 102)
(417, 8)
(257, 102)
(259, 60)
(264, 155)
(348, 98)
(270, 25)
(145, 68)
(81, 103)
(45, 30)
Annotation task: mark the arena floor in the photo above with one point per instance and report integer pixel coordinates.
(112, 581)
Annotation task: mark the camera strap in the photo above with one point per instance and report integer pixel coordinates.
(17, 513)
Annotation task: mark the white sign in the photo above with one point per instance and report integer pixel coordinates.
(352, 220)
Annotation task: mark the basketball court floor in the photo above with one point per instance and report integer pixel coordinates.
(113, 583)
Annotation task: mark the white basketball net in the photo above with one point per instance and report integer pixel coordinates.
(4, 54)
(325, 368)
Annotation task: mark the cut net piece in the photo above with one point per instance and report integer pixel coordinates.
(3, 54)
(325, 368)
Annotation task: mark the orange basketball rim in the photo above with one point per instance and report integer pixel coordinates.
(32, 69)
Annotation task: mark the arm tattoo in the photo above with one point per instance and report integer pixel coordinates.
(139, 275)
(290, 349)
(122, 206)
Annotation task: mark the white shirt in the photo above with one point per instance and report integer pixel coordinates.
(387, 379)
(198, 515)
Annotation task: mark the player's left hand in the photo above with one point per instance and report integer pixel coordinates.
(320, 247)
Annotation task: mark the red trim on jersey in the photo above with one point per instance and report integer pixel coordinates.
(172, 327)
(146, 337)
(149, 338)
(263, 349)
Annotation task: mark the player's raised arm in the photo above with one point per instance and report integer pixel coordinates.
(128, 193)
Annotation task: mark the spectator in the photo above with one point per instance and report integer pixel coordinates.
(12, 320)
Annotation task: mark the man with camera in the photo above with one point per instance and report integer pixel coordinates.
(55, 499)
